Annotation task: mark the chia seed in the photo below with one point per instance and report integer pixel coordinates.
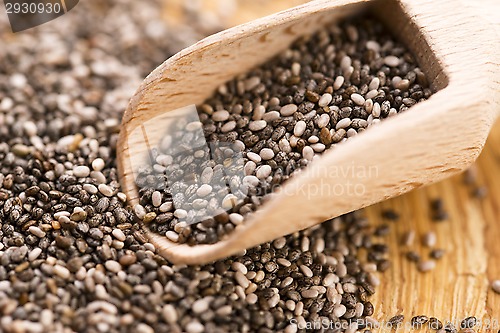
(419, 321)
(468, 322)
(435, 323)
(396, 321)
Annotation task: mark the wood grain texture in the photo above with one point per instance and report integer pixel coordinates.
(435, 139)
(460, 285)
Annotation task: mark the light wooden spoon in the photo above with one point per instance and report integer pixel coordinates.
(435, 139)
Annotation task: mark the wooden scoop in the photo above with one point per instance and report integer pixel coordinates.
(459, 52)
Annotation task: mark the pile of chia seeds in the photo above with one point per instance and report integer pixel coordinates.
(72, 259)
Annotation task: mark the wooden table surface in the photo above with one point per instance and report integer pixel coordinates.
(459, 286)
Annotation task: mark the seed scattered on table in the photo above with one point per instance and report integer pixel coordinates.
(418, 321)
(429, 239)
(438, 211)
(435, 324)
(480, 192)
(390, 214)
(426, 265)
(468, 322)
(408, 238)
(495, 285)
(437, 254)
(413, 256)
(396, 321)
